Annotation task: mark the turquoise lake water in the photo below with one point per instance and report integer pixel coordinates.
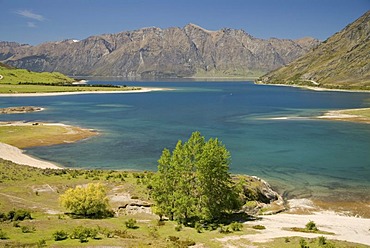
(301, 156)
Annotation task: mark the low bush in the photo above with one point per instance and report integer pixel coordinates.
(60, 235)
(131, 223)
(41, 243)
(106, 232)
(16, 215)
(28, 229)
(224, 229)
(311, 226)
(178, 227)
(3, 235)
(83, 233)
(161, 223)
(173, 238)
(236, 226)
(322, 240)
(259, 227)
(198, 227)
(303, 243)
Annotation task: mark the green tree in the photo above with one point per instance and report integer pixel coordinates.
(193, 183)
(89, 201)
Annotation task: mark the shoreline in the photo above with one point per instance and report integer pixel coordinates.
(16, 155)
(342, 115)
(315, 88)
(344, 228)
(142, 90)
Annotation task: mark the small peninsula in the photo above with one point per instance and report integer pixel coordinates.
(15, 81)
(361, 115)
(20, 110)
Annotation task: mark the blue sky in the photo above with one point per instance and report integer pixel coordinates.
(37, 21)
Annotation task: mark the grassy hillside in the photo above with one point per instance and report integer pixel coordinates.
(340, 62)
(12, 75)
(13, 80)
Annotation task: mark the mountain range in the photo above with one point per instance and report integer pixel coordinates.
(191, 51)
(340, 62)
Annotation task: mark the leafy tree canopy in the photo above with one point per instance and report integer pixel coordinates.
(90, 201)
(193, 182)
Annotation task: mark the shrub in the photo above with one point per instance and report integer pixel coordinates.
(212, 227)
(153, 231)
(173, 238)
(131, 223)
(224, 229)
(198, 227)
(259, 227)
(3, 234)
(303, 243)
(236, 226)
(22, 214)
(322, 240)
(60, 235)
(311, 226)
(178, 227)
(83, 233)
(16, 215)
(27, 229)
(160, 223)
(90, 201)
(41, 243)
(124, 234)
(106, 232)
(186, 243)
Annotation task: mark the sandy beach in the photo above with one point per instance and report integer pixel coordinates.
(345, 228)
(142, 90)
(16, 155)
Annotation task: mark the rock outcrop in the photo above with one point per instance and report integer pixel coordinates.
(259, 197)
(157, 53)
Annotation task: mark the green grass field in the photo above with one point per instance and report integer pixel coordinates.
(15, 76)
(38, 191)
(24, 81)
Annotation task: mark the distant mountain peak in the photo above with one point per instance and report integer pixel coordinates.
(152, 52)
(192, 25)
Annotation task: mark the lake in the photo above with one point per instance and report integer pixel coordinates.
(299, 155)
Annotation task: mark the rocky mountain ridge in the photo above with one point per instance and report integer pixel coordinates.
(157, 53)
(340, 62)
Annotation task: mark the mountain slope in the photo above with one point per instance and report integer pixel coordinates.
(154, 52)
(342, 61)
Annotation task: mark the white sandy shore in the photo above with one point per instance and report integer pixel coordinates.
(314, 88)
(16, 155)
(142, 90)
(345, 228)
